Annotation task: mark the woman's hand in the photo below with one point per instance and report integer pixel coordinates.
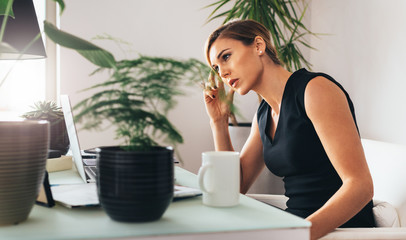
(218, 104)
(218, 109)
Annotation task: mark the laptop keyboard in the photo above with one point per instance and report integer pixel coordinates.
(92, 170)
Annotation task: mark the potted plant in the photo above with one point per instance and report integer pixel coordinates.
(23, 144)
(288, 33)
(135, 180)
(48, 110)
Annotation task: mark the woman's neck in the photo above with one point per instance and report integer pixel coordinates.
(272, 85)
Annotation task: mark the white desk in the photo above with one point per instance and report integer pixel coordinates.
(184, 219)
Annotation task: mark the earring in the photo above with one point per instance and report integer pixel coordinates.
(260, 52)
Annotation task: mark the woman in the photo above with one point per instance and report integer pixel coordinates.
(304, 130)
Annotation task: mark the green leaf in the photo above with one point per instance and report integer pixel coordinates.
(6, 10)
(5, 47)
(61, 5)
(279, 17)
(91, 52)
(218, 15)
(136, 97)
(3, 8)
(220, 4)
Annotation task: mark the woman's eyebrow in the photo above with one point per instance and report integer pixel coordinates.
(219, 55)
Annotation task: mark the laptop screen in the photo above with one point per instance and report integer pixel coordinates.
(73, 139)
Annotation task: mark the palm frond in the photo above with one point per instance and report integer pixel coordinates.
(137, 97)
(280, 17)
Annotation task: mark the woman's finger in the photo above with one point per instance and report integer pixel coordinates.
(212, 93)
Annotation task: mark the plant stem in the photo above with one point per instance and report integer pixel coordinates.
(19, 57)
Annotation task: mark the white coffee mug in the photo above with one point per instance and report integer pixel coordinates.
(219, 178)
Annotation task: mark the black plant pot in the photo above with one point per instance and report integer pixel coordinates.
(135, 186)
(59, 136)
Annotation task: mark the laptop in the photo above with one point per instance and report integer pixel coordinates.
(85, 162)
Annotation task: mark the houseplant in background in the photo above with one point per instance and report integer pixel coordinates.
(288, 32)
(281, 19)
(135, 181)
(48, 110)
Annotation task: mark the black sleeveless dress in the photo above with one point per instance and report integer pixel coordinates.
(297, 155)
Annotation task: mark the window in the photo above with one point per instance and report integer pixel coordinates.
(25, 83)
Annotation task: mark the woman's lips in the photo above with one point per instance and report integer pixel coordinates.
(233, 82)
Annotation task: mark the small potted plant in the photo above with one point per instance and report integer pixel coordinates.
(135, 180)
(48, 110)
(136, 100)
(23, 144)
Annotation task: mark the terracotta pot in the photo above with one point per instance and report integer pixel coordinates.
(23, 153)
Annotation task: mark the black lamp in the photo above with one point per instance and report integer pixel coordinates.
(20, 32)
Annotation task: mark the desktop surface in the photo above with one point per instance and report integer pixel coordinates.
(181, 220)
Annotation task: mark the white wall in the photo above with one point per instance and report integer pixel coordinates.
(173, 28)
(365, 51)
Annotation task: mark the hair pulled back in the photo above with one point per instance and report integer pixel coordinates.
(244, 31)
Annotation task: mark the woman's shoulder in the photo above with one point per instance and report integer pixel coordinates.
(303, 77)
(299, 81)
(299, 84)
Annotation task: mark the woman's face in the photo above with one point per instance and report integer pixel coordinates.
(237, 64)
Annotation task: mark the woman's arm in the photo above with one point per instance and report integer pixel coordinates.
(251, 159)
(327, 107)
(218, 111)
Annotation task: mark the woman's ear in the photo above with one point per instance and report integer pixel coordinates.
(260, 45)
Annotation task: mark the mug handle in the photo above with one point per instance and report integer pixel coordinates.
(202, 172)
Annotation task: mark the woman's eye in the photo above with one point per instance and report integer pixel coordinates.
(226, 56)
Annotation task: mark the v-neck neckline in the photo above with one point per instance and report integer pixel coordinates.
(268, 114)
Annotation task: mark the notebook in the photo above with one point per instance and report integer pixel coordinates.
(86, 169)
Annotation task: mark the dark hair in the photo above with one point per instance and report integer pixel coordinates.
(244, 31)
